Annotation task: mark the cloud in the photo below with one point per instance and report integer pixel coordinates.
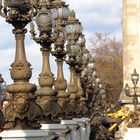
(98, 16)
(6, 36)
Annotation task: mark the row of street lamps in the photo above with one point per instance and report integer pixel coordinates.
(53, 101)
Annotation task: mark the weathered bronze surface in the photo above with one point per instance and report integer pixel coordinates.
(46, 95)
(82, 108)
(22, 112)
(73, 89)
(72, 55)
(98, 130)
(61, 86)
(60, 82)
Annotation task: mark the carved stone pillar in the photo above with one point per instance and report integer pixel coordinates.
(131, 43)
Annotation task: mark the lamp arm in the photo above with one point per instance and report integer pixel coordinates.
(65, 33)
(33, 34)
(55, 35)
(32, 30)
(30, 15)
(33, 12)
(3, 14)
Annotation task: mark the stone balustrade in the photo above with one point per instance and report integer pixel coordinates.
(76, 129)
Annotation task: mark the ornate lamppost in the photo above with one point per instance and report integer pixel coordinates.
(60, 83)
(72, 87)
(90, 78)
(130, 93)
(74, 29)
(22, 112)
(60, 14)
(82, 110)
(50, 20)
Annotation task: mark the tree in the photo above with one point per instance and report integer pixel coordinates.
(107, 51)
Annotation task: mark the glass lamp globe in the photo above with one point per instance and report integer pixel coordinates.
(43, 21)
(94, 74)
(81, 40)
(86, 53)
(100, 86)
(74, 28)
(70, 28)
(97, 80)
(61, 11)
(135, 77)
(91, 66)
(73, 48)
(62, 35)
(78, 27)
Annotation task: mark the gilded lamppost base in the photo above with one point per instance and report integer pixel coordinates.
(47, 99)
(73, 104)
(46, 95)
(61, 86)
(22, 112)
(82, 110)
(64, 103)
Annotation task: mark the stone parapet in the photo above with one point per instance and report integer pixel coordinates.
(62, 131)
(27, 135)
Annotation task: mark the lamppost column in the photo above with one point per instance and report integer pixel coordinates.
(47, 96)
(46, 76)
(61, 86)
(72, 89)
(22, 112)
(82, 110)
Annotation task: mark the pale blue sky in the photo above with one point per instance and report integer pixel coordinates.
(96, 16)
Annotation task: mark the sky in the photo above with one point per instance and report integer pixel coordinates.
(95, 15)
